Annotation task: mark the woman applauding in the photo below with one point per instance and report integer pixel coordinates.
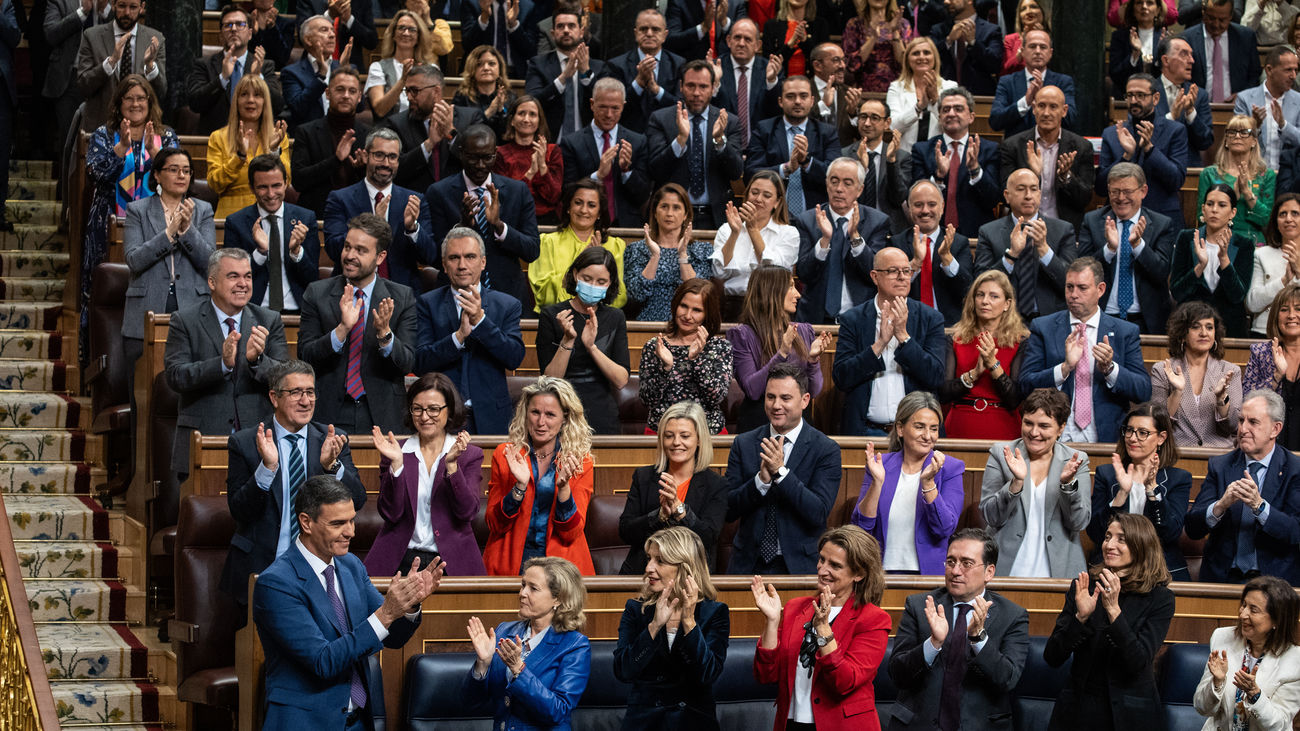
(984, 363)
(250, 130)
(691, 360)
(1214, 264)
(1201, 390)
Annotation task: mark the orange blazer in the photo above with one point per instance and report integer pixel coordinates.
(506, 533)
(843, 696)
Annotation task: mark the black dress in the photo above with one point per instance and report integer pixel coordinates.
(706, 512)
(598, 395)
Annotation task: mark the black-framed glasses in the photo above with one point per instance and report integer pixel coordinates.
(896, 272)
(1238, 133)
(415, 90)
(385, 156)
(873, 118)
(431, 411)
(1139, 94)
(298, 393)
(1141, 434)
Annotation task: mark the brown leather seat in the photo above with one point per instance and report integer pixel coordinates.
(203, 631)
(106, 374)
(608, 551)
(631, 412)
(199, 189)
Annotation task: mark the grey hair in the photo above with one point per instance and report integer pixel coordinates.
(961, 92)
(289, 368)
(317, 492)
(231, 252)
(1122, 170)
(609, 83)
(1276, 406)
(428, 70)
(464, 232)
(382, 133)
(302, 29)
(919, 183)
(857, 165)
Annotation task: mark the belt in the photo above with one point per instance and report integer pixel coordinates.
(886, 427)
(979, 404)
(353, 717)
(702, 209)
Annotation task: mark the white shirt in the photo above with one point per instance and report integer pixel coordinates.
(961, 143)
(1112, 306)
(1072, 432)
(372, 190)
(260, 259)
(888, 389)
(422, 538)
(791, 437)
(150, 73)
(375, 77)
(819, 88)
(801, 706)
(930, 241)
(900, 532)
(264, 477)
(846, 299)
(780, 248)
(928, 650)
(318, 567)
(470, 187)
(1211, 274)
(1031, 558)
(879, 149)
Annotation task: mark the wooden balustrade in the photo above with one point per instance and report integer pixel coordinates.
(26, 701)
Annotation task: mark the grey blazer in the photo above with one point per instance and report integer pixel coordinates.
(211, 401)
(63, 32)
(150, 256)
(1067, 513)
(96, 86)
(1197, 424)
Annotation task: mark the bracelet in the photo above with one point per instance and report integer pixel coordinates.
(933, 489)
(1009, 257)
(565, 347)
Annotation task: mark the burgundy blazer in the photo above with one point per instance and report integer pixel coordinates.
(455, 502)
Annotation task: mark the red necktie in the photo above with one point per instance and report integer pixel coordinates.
(338, 44)
(383, 265)
(927, 275)
(353, 379)
(609, 179)
(954, 171)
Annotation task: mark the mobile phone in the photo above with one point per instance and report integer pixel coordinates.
(888, 136)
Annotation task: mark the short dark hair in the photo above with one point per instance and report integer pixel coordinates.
(1182, 320)
(160, 161)
(796, 77)
(1225, 189)
(789, 370)
(594, 256)
(265, 164)
(476, 131)
(571, 190)
(1283, 607)
(984, 537)
(1089, 263)
(697, 65)
(1150, 81)
(435, 381)
(1050, 401)
(375, 227)
(229, 9)
(318, 491)
(292, 367)
(348, 70)
(1275, 56)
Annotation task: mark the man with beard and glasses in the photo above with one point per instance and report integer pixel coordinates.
(1151, 142)
(280, 237)
(795, 146)
(358, 332)
(406, 214)
(111, 52)
(213, 77)
(427, 128)
(327, 151)
(561, 81)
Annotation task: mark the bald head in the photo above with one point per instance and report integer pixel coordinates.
(828, 62)
(889, 285)
(1049, 110)
(1023, 193)
(1036, 49)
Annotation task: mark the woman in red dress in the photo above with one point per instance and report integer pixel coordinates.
(525, 155)
(981, 392)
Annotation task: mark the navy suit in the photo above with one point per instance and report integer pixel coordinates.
(683, 18)
(1121, 64)
(802, 499)
(983, 57)
(722, 166)
(816, 274)
(362, 31)
(1150, 267)
(309, 657)
(1167, 514)
(1164, 165)
(641, 106)
(1243, 57)
(631, 189)
(856, 367)
(1274, 542)
(1200, 134)
(518, 213)
(539, 82)
(976, 203)
(405, 253)
(672, 687)
(415, 170)
(763, 102)
(949, 291)
(302, 91)
(769, 149)
(239, 233)
(1011, 89)
(1045, 349)
(521, 43)
(545, 693)
(478, 370)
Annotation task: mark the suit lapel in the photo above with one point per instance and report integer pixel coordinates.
(541, 655)
(156, 217)
(1053, 475)
(319, 600)
(315, 438)
(210, 326)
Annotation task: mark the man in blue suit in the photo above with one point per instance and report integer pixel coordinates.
(1013, 104)
(689, 25)
(355, 22)
(318, 643)
(502, 24)
(471, 333)
(279, 237)
(877, 364)
(1092, 357)
(499, 209)
(561, 80)
(413, 242)
(1235, 67)
(1150, 141)
(970, 48)
(782, 479)
(975, 173)
(304, 81)
(1275, 105)
(838, 242)
(649, 71)
(795, 146)
(1249, 503)
(761, 75)
(1181, 101)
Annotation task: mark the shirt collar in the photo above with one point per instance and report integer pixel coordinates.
(970, 602)
(281, 431)
(412, 446)
(469, 184)
(1268, 458)
(600, 135)
(371, 189)
(262, 213)
(221, 316)
(1038, 138)
(317, 566)
(1093, 322)
(118, 32)
(791, 436)
(949, 141)
(641, 55)
(790, 126)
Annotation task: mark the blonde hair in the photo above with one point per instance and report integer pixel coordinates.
(1224, 155)
(905, 75)
(694, 413)
(565, 584)
(575, 435)
(423, 51)
(1010, 330)
(681, 547)
(265, 125)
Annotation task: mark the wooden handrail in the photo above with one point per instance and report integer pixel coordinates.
(27, 702)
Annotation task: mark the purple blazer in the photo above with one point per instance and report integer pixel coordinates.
(455, 502)
(935, 521)
(751, 369)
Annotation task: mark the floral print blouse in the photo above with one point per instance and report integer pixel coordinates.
(704, 379)
(880, 68)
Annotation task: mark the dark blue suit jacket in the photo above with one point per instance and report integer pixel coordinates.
(239, 233)
(1045, 348)
(671, 687)
(1165, 165)
(1151, 268)
(769, 150)
(518, 213)
(683, 18)
(309, 657)
(544, 695)
(641, 106)
(1275, 541)
(1200, 134)
(478, 371)
(1167, 514)
(762, 101)
(582, 158)
(722, 166)
(522, 42)
(976, 204)
(856, 367)
(407, 251)
(873, 227)
(1011, 89)
(1243, 57)
(802, 500)
(949, 292)
(362, 31)
(1121, 64)
(539, 82)
(302, 89)
(983, 57)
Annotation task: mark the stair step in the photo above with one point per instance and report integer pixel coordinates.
(39, 169)
(33, 345)
(66, 559)
(33, 189)
(39, 213)
(36, 410)
(97, 703)
(84, 600)
(57, 518)
(33, 375)
(34, 263)
(58, 478)
(32, 289)
(28, 315)
(30, 237)
(24, 445)
(92, 651)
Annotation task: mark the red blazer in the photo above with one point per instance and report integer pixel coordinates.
(843, 696)
(506, 533)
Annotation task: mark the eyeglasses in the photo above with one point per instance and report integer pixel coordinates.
(1139, 94)
(177, 170)
(235, 25)
(415, 90)
(136, 99)
(407, 30)
(966, 564)
(1123, 192)
(1141, 434)
(298, 393)
(384, 156)
(1238, 133)
(431, 411)
(873, 118)
(896, 272)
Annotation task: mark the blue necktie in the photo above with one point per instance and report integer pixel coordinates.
(235, 76)
(357, 693)
(297, 474)
(1245, 559)
(695, 165)
(480, 218)
(1124, 278)
(835, 271)
(794, 188)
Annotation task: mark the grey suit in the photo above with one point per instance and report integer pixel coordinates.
(211, 401)
(1257, 96)
(1065, 513)
(150, 256)
(1038, 287)
(63, 28)
(96, 86)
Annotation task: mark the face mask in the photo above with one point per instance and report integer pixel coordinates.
(589, 293)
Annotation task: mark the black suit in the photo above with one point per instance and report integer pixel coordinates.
(257, 511)
(631, 188)
(543, 70)
(949, 290)
(521, 43)
(1150, 266)
(519, 215)
(641, 105)
(383, 376)
(763, 102)
(672, 687)
(815, 273)
(891, 188)
(416, 170)
(769, 149)
(278, 40)
(239, 233)
(683, 18)
(721, 165)
(991, 674)
(211, 101)
(362, 30)
(706, 510)
(1072, 196)
(1040, 290)
(316, 170)
(983, 62)
(975, 202)
(839, 117)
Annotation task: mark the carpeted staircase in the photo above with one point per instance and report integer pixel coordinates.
(84, 566)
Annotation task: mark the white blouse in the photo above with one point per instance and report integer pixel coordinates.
(422, 538)
(376, 78)
(902, 108)
(780, 248)
(1031, 559)
(900, 532)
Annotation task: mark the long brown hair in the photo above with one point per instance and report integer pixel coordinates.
(1289, 294)
(543, 129)
(1148, 569)
(708, 292)
(1010, 330)
(115, 109)
(764, 312)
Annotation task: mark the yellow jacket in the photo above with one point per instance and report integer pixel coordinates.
(228, 174)
(559, 249)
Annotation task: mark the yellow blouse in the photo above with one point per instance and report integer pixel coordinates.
(228, 174)
(559, 249)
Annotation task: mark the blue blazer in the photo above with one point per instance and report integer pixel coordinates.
(302, 89)
(518, 213)
(478, 370)
(683, 18)
(1045, 348)
(640, 106)
(976, 204)
(1151, 268)
(239, 233)
(545, 693)
(1011, 89)
(1275, 540)
(769, 150)
(1243, 57)
(803, 500)
(309, 658)
(873, 227)
(1167, 514)
(405, 253)
(922, 358)
(1165, 166)
(983, 57)
(935, 521)
(1200, 134)
(671, 688)
(763, 102)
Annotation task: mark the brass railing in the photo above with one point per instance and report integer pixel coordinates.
(26, 702)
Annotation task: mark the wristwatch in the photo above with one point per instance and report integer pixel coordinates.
(983, 635)
(824, 641)
(385, 339)
(681, 510)
(334, 466)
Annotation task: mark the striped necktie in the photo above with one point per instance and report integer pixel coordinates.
(356, 389)
(297, 475)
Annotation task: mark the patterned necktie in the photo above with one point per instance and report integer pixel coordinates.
(297, 474)
(379, 196)
(954, 172)
(357, 694)
(956, 647)
(869, 185)
(1124, 275)
(480, 218)
(696, 163)
(794, 188)
(927, 273)
(235, 76)
(609, 179)
(125, 66)
(835, 271)
(353, 380)
(1245, 559)
(742, 104)
(1083, 379)
(770, 543)
(275, 265)
(1219, 93)
(233, 327)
